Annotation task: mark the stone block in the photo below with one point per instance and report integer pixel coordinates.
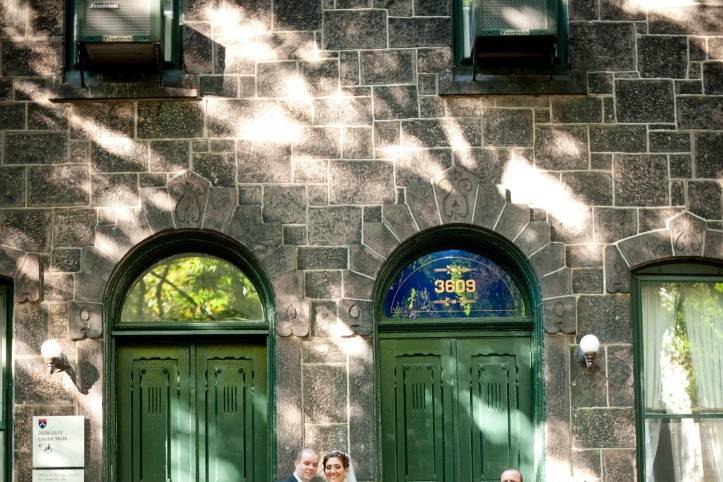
(466, 106)
(456, 190)
(709, 154)
(321, 76)
(644, 100)
(433, 60)
(90, 120)
(362, 427)
(380, 238)
(420, 165)
(669, 141)
(156, 206)
(169, 156)
(349, 68)
(513, 219)
(26, 229)
(588, 384)
(557, 408)
(572, 229)
(507, 127)
(114, 190)
(387, 67)
(47, 116)
(364, 261)
(318, 195)
(169, 119)
(323, 258)
(608, 317)
(119, 154)
(646, 247)
(334, 225)
(327, 436)
(663, 56)
(197, 48)
(34, 384)
(713, 244)
(12, 116)
(488, 207)
(309, 170)
(685, 19)
(587, 281)
(602, 46)
(640, 180)
(487, 165)
(351, 30)
(398, 219)
(357, 143)
(361, 182)
(294, 235)
(704, 199)
(604, 428)
(560, 315)
(462, 133)
(263, 162)
(621, 377)
(218, 85)
(357, 286)
(296, 15)
(591, 188)
(599, 83)
(561, 147)
(618, 465)
(617, 273)
(318, 350)
(430, 106)
(395, 102)
(288, 397)
(584, 255)
(58, 186)
(29, 279)
(86, 320)
(35, 148)
(246, 227)
(576, 110)
(583, 10)
(358, 315)
(614, 224)
(324, 319)
(12, 186)
(557, 283)
(586, 465)
(419, 32)
(280, 261)
(32, 58)
(284, 204)
(347, 111)
(420, 199)
(533, 237)
(700, 112)
(618, 138)
(687, 233)
(319, 142)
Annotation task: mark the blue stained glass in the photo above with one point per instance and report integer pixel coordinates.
(453, 284)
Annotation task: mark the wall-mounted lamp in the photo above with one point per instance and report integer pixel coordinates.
(54, 357)
(587, 350)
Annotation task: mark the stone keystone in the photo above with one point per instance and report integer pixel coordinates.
(189, 193)
(687, 234)
(86, 320)
(29, 280)
(456, 191)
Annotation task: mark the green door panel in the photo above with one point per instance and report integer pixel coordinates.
(416, 399)
(231, 402)
(455, 410)
(154, 414)
(192, 413)
(495, 406)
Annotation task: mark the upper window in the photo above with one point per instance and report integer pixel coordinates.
(681, 403)
(453, 283)
(192, 288)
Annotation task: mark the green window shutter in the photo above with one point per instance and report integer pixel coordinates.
(154, 424)
(231, 423)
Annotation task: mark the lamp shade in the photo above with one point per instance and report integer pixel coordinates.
(51, 349)
(589, 344)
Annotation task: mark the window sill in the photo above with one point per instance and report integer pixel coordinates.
(175, 85)
(455, 82)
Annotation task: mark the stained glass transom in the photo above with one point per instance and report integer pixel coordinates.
(453, 284)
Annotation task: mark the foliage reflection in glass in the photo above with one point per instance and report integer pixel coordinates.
(194, 288)
(453, 284)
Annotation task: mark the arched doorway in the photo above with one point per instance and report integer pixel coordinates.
(190, 394)
(459, 359)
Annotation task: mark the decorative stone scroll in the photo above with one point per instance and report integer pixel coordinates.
(189, 192)
(687, 234)
(86, 320)
(29, 280)
(456, 191)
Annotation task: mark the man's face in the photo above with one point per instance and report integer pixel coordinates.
(510, 476)
(306, 466)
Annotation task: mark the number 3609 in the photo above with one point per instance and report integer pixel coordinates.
(454, 286)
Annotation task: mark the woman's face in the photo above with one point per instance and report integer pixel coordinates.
(334, 470)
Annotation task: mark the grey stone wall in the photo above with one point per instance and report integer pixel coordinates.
(319, 140)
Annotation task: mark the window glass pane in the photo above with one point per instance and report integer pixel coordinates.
(192, 288)
(453, 284)
(683, 345)
(683, 450)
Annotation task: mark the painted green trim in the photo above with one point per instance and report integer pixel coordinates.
(6, 337)
(504, 252)
(133, 264)
(685, 270)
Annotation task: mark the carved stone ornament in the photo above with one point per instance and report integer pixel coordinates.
(686, 235)
(189, 193)
(456, 192)
(29, 280)
(561, 315)
(617, 273)
(293, 318)
(357, 315)
(86, 320)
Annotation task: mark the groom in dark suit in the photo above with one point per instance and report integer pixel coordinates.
(305, 466)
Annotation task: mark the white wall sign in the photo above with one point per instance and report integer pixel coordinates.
(58, 442)
(58, 475)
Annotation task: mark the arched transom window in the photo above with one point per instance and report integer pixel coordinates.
(192, 288)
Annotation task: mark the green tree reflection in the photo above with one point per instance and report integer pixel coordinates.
(192, 288)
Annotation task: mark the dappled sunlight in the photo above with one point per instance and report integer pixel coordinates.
(160, 200)
(297, 90)
(537, 188)
(116, 145)
(456, 137)
(565, 144)
(524, 18)
(271, 125)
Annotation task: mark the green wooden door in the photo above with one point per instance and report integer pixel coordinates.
(191, 413)
(455, 410)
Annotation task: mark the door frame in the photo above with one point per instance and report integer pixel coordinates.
(506, 254)
(138, 260)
